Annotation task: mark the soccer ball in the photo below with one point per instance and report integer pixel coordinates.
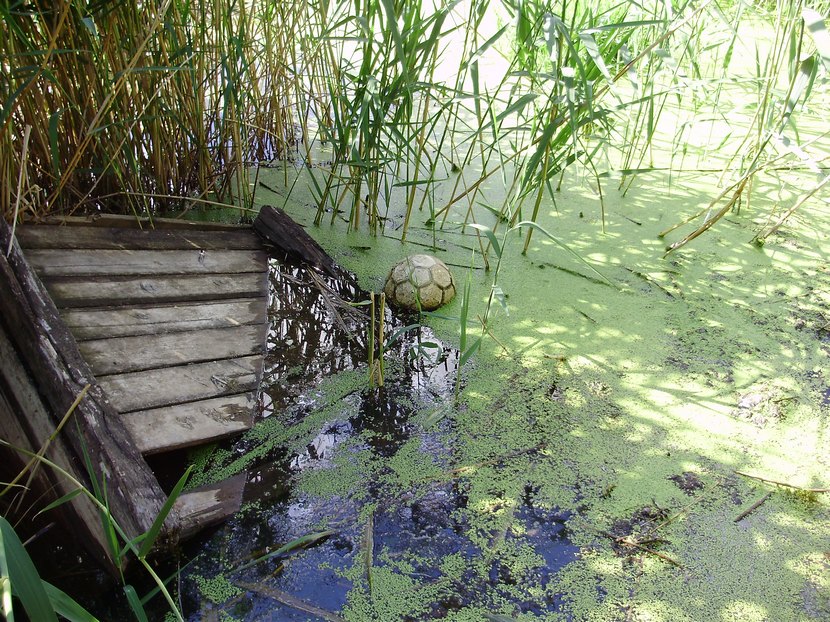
(420, 278)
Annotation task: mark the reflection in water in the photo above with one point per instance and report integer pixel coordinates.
(313, 337)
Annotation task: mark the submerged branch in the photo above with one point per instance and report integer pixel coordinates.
(752, 508)
(784, 484)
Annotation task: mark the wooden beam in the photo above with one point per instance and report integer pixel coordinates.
(186, 383)
(101, 323)
(128, 290)
(125, 354)
(185, 425)
(141, 222)
(277, 228)
(56, 236)
(51, 262)
(209, 505)
(26, 423)
(49, 352)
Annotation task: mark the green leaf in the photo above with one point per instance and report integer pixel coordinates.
(498, 294)
(67, 497)
(297, 543)
(66, 606)
(818, 31)
(23, 578)
(529, 223)
(158, 523)
(54, 118)
(470, 352)
(490, 236)
(135, 604)
(400, 332)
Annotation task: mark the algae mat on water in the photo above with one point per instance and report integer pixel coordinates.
(596, 466)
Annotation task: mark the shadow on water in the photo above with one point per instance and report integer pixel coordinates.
(313, 337)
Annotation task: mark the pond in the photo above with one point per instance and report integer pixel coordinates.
(327, 461)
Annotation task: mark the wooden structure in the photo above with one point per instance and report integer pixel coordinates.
(167, 325)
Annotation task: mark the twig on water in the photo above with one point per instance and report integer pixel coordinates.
(752, 507)
(289, 600)
(784, 484)
(628, 541)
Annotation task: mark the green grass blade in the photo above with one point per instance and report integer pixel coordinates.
(65, 606)
(469, 352)
(54, 119)
(561, 244)
(67, 497)
(152, 533)
(135, 604)
(22, 577)
(814, 21)
(491, 236)
(297, 543)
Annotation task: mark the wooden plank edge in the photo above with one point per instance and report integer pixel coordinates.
(208, 505)
(138, 222)
(43, 236)
(159, 430)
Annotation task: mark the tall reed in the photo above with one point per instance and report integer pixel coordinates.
(136, 105)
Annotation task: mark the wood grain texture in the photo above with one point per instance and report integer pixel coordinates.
(130, 290)
(51, 262)
(276, 227)
(209, 505)
(125, 354)
(51, 355)
(87, 237)
(25, 423)
(100, 323)
(185, 383)
(194, 423)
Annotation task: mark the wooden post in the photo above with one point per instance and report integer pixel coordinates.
(277, 228)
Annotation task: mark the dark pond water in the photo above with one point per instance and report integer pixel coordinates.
(370, 525)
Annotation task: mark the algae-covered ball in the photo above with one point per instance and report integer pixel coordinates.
(420, 278)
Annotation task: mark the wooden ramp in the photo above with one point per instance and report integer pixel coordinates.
(172, 322)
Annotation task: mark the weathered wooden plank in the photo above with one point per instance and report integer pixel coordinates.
(25, 422)
(76, 237)
(187, 383)
(49, 262)
(49, 352)
(275, 226)
(125, 354)
(143, 320)
(142, 222)
(209, 505)
(194, 423)
(114, 291)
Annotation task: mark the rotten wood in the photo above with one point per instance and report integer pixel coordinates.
(186, 383)
(186, 425)
(276, 227)
(101, 323)
(208, 505)
(18, 394)
(784, 484)
(129, 290)
(117, 238)
(125, 354)
(289, 600)
(50, 262)
(50, 353)
(752, 507)
(146, 223)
